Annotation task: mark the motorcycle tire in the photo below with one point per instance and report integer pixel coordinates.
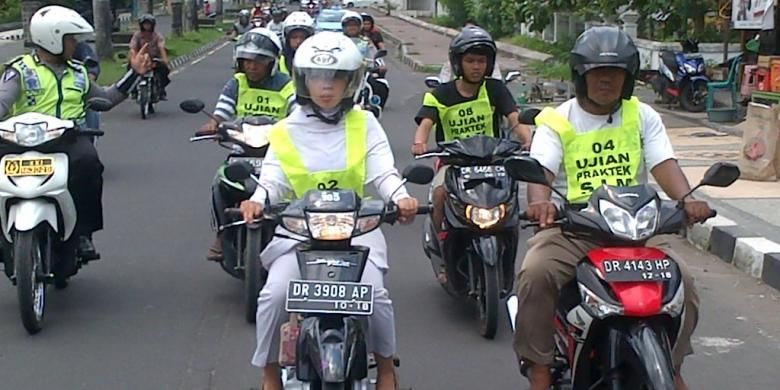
(143, 101)
(255, 274)
(30, 287)
(693, 97)
(488, 302)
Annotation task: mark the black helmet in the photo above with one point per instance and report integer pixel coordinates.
(367, 17)
(604, 46)
(472, 39)
(147, 18)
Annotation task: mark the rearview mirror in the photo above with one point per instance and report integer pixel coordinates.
(193, 106)
(513, 75)
(528, 117)
(238, 171)
(432, 81)
(380, 53)
(720, 174)
(418, 174)
(526, 169)
(99, 104)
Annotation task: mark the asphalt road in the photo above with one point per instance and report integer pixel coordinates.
(153, 314)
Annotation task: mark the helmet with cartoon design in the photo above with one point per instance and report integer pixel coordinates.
(49, 26)
(259, 42)
(329, 55)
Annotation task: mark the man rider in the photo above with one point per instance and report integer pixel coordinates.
(371, 32)
(257, 11)
(297, 27)
(604, 64)
(351, 24)
(156, 43)
(277, 21)
(49, 82)
(472, 98)
(242, 25)
(445, 74)
(258, 88)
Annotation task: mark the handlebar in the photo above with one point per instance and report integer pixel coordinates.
(87, 132)
(391, 212)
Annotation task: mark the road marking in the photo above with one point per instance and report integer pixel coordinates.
(720, 344)
(200, 58)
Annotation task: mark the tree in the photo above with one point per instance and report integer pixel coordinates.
(103, 24)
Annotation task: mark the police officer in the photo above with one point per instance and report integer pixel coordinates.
(242, 25)
(297, 27)
(473, 104)
(48, 81)
(257, 89)
(604, 64)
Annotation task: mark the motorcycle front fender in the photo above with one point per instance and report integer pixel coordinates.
(488, 248)
(29, 213)
(652, 355)
(699, 78)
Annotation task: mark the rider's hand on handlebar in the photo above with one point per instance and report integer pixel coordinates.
(696, 210)
(543, 211)
(251, 210)
(407, 209)
(209, 127)
(419, 148)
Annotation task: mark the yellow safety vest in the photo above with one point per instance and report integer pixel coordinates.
(43, 92)
(464, 120)
(607, 156)
(256, 101)
(283, 65)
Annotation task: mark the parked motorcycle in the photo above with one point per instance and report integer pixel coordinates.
(147, 92)
(478, 253)
(241, 243)
(37, 212)
(682, 78)
(376, 89)
(326, 344)
(617, 322)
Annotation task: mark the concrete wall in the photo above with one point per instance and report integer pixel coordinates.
(649, 50)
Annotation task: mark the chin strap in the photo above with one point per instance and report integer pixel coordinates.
(615, 106)
(332, 120)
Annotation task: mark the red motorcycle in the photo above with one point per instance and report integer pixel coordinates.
(617, 322)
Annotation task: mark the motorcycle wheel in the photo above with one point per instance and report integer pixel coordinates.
(255, 274)
(694, 96)
(487, 302)
(143, 101)
(30, 286)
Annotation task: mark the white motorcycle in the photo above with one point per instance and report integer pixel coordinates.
(37, 212)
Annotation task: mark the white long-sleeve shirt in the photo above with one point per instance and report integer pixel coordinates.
(323, 147)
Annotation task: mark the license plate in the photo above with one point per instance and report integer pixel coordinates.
(29, 167)
(638, 270)
(314, 296)
(482, 172)
(256, 162)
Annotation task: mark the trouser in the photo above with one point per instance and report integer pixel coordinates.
(271, 313)
(93, 119)
(222, 198)
(85, 181)
(161, 71)
(549, 264)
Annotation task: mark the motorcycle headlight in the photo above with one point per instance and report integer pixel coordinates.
(596, 306)
(675, 307)
(690, 69)
(296, 225)
(331, 226)
(30, 134)
(485, 218)
(622, 223)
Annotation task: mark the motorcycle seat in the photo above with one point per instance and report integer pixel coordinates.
(670, 60)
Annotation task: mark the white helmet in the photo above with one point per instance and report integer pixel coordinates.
(50, 24)
(297, 20)
(351, 15)
(259, 42)
(329, 55)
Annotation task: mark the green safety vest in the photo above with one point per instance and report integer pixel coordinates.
(256, 101)
(352, 177)
(283, 65)
(464, 120)
(608, 156)
(43, 92)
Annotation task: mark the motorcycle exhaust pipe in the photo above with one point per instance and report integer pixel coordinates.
(511, 307)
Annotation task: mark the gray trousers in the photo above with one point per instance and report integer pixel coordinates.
(271, 313)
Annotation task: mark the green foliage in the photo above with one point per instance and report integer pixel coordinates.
(446, 21)
(457, 10)
(11, 12)
(552, 71)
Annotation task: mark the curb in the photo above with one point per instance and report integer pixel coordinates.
(181, 60)
(408, 60)
(517, 52)
(751, 254)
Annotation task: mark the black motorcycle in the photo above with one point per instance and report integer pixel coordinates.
(241, 242)
(147, 92)
(376, 89)
(478, 253)
(330, 351)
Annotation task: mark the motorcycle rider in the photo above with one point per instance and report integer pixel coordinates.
(147, 35)
(297, 27)
(277, 21)
(242, 25)
(256, 89)
(352, 23)
(316, 140)
(445, 74)
(371, 32)
(49, 82)
(257, 11)
(604, 64)
(472, 98)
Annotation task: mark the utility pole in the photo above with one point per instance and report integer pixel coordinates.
(101, 9)
(28, 9)
(178, 17)
(194, 14)
(150, 7)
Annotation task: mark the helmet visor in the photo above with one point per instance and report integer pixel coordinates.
(306, 78)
